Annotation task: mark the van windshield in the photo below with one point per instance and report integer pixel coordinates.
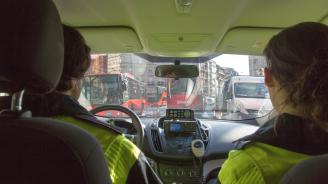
(251, 90)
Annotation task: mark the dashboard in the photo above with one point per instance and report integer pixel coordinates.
(183, 149)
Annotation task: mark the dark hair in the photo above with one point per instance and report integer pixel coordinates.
(77, 58)
(298, 59)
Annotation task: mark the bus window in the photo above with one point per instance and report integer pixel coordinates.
(117, 89)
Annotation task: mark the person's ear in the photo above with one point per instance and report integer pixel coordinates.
(268, 78)
(77, 84)
(76, 90)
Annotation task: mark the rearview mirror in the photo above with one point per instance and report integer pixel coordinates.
(177, 71)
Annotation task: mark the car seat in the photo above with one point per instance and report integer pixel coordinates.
(39, 150)
(313, 170)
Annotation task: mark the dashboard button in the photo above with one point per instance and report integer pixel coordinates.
(168, 173)
(180, 173)
(192, 173)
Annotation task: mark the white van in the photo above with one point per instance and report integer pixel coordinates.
(245, 97)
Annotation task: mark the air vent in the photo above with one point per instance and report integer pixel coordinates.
(204, 132)
(156, 140)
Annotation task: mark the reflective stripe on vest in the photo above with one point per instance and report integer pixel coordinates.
(120, 153)
(258, 163)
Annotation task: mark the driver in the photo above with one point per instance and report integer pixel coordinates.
(125, 161)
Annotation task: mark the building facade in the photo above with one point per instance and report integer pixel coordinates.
(256, 65)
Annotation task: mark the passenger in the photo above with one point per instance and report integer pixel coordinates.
(125, 161)
(296, 77)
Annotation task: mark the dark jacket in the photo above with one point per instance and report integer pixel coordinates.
(292, 133)
(266, 155)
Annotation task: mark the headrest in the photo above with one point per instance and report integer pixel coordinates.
(31, 46)
(312, 170)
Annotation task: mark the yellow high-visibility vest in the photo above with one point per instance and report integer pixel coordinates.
(120, 153)
(258, 163)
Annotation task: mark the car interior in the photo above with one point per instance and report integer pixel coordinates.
(186, 139)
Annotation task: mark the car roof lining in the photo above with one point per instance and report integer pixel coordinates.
(324, 20)
(161, 30)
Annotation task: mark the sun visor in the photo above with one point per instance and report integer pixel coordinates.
(112, 39)
(181, 45)
(325, 20)
(248, 41)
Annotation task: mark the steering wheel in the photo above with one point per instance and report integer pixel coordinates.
(136, 122)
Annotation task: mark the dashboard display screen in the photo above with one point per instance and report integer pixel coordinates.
(175, 127)
(180, 113)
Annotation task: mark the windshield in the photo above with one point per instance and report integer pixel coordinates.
(251, 90)
(226, 88)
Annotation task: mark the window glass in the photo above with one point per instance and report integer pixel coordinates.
(228, 86)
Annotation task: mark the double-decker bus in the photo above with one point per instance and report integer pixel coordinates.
(118, 89)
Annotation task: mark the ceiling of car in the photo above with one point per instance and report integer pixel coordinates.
(186, 28)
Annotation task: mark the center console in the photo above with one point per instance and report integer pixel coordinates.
(177, 130)
(179, 141)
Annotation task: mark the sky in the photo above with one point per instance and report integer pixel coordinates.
(238, 62)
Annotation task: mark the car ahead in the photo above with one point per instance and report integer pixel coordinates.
(222, 39)
(245, 97)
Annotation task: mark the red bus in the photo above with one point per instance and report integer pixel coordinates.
(118, 89)
(185, 93)
(156, 96)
